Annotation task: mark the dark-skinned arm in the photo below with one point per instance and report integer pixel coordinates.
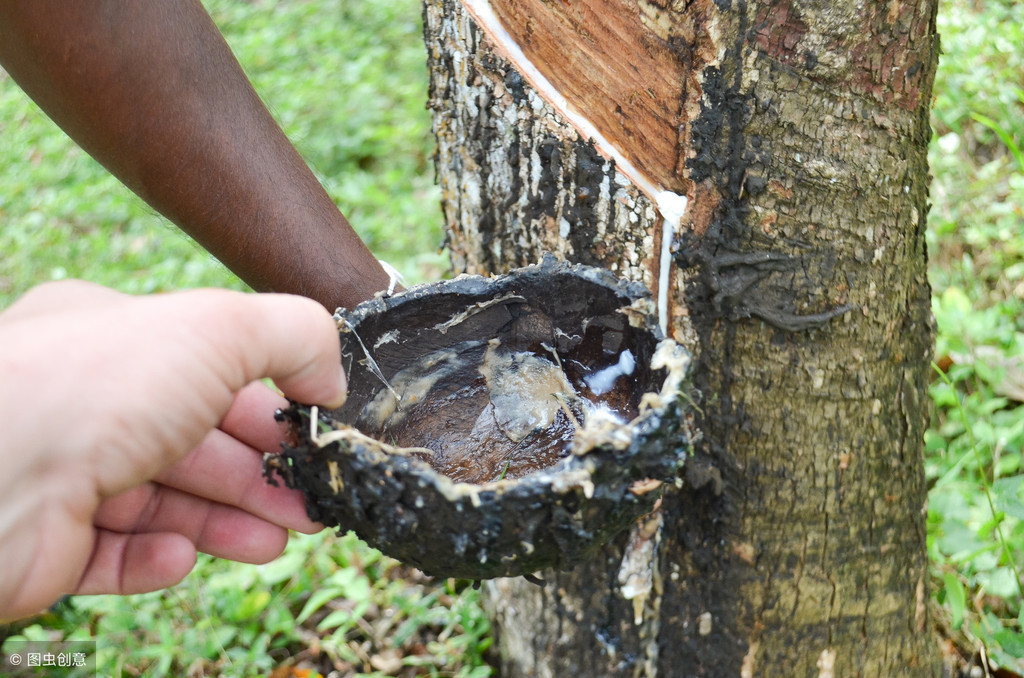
(152, 91)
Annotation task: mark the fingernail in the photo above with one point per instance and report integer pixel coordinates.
(342, 394)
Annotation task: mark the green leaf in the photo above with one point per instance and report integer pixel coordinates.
(282, 569)
(253, 603)
(999, 582)
(1008, 496)
(1003, 135)
(956, 599)
(337, 620)
(343, 618)
(317, 600)
(1011, 641)
(954, 300)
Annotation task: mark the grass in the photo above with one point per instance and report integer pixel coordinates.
(346, 80)
(974, 460)
(328, 604)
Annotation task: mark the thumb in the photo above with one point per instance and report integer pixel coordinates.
(290, 339)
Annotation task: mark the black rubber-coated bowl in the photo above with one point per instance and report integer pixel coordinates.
(495, 426)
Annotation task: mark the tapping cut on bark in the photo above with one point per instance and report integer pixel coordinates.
(498, 426)
(613, 69)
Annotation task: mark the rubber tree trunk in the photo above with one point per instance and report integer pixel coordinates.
(798, 130)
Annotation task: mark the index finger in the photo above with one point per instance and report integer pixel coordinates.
(251, 418)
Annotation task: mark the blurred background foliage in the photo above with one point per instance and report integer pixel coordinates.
(976, 246)
(347, 81)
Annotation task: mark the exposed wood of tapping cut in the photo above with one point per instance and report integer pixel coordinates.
(603, 57)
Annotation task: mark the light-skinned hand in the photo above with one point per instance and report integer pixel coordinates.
(132, 431)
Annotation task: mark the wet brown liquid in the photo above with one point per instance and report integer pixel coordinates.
(487, 454)
(500, 408)
(492, 415)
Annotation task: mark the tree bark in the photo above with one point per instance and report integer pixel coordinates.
(799, 131)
